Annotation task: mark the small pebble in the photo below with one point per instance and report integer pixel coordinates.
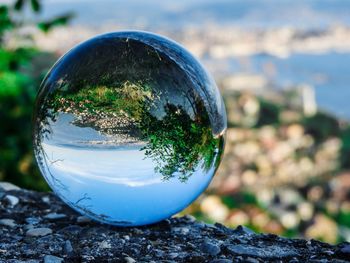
(244, 230)
(252, 260)
(11, 200)
(8, 222)
(129, 260)
(8, 186)
(83, 219)
(105, 245)
(138, 231)
(87, 258)
(68, 248)
(46, 199)
(52, 259)
(181, 230)
(54, 216)
(32, 220)
(328, 252)
(38, 232)
(210, 248)
(173, 255)
(72, 229)
(190, 218)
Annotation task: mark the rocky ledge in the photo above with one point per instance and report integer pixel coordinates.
(38, 227)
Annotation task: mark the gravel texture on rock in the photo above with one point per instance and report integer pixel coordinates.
(40, 228)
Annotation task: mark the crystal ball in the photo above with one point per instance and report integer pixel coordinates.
(128, 128)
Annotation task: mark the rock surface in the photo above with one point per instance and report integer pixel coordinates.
(40, 228)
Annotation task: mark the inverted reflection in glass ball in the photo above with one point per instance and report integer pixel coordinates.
(128, 128)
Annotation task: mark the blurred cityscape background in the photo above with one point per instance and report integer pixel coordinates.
(283, 68)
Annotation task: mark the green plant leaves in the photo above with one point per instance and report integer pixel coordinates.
(18, 5)
(5, 20)
(35, 5)
(18, 86)
(58, 21)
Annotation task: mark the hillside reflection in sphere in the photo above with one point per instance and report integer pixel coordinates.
(128, 128)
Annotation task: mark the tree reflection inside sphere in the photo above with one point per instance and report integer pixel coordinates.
(128, 128)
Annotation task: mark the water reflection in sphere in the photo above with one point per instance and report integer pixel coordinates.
(128, 128)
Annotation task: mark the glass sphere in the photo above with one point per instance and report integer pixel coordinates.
(128, 128)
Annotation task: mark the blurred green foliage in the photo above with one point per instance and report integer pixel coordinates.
(20, 77)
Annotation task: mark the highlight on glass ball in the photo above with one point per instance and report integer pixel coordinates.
(128, 128)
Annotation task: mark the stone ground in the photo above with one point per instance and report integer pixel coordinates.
(38, 227)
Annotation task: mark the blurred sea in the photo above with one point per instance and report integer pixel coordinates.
(328, 72)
